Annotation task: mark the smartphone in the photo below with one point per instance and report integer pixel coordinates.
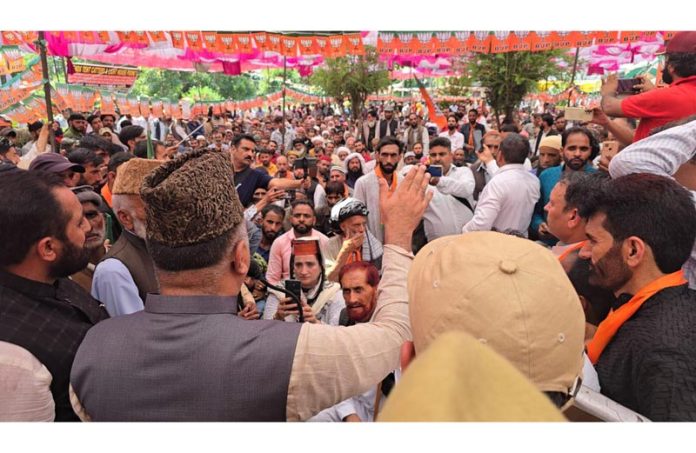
(609, 149)
(312, 167)
(626, 86)
(435, 171)
(289, 194)
(577, 114)
(294, 287)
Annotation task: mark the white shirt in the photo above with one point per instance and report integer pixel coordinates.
(25, 393)
(457, 139)
(114, 286)
(445, 214)
(367, 190)
(661, 154)
(507, 202)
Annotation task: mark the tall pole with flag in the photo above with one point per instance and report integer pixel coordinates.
(150, 148)
(434, 113)
(41, 44)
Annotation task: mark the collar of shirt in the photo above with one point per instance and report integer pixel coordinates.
(157, 303)
(510, 167)
(689, 79)
(30, 288)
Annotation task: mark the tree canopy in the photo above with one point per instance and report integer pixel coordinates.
(353, 77)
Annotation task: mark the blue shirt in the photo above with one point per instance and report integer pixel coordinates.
(548, 179)
(114, 286)
(247, 181)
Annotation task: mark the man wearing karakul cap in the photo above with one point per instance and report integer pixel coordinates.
(188, 357)
(126, 275)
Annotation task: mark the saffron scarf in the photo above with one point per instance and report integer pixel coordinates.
(608, 328)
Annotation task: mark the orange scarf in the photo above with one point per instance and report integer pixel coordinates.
(608, 328)
(106, 193)
(570, 250)
(392, 187)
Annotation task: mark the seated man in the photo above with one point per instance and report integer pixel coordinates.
(645, 350)
(199, 247)
(353, 241)
(322, 301)
(360, 282)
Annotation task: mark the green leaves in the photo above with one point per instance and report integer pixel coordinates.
(353, 77)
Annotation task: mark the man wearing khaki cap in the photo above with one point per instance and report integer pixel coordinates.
(186, 357)
(515, 298)
(127, 273)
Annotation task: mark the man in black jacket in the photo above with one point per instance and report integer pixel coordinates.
(43, 315)
(640, 232)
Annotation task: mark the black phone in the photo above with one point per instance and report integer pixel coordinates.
(294, 287)
(435, 170)
(627, 86)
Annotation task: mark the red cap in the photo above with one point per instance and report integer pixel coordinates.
(682, 42)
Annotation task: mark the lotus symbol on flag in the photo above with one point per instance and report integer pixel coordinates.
(442, 36)
(274, 39)
(355, 41)
(210, 39)
(306, 42)
(244, 40)
(386, 37)
(321, 43)
(461, 35)
(289, 43)
(480, 35)
(226, 40)
(562, 34)
(336, 42)
(424, 38)
(543, 34)
(521, 33)
(501, 34)
(405, 37)
(261, 39)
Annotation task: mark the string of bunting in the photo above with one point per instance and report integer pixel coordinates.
(329, 46)
(462, 42)
(27, 106)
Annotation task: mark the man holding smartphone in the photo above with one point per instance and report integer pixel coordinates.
(453, 203)
(657, 107)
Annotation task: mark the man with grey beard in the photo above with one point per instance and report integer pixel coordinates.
(92, 208)
(125, 276)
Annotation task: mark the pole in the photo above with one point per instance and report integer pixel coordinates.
(572, 77)
(285, 75)
(41, 44)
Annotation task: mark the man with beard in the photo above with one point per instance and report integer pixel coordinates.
(458, 158)
(416, 133)
(94, 243)
(367, 187)
(369, 129)
(283, 168)
(360, 284)
(579, 148)
(472, 133)
(43, 315)
(355, 167)
(302, 219)
(125, 277)
(640, 233)
(77, 127)
(389, 126)
(271, 225)
(108, 121)
(93, 165)
(455, 137)
(658, 106)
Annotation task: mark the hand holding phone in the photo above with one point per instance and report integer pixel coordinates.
(435, 171)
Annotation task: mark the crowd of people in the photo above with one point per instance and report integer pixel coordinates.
(267, 267)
